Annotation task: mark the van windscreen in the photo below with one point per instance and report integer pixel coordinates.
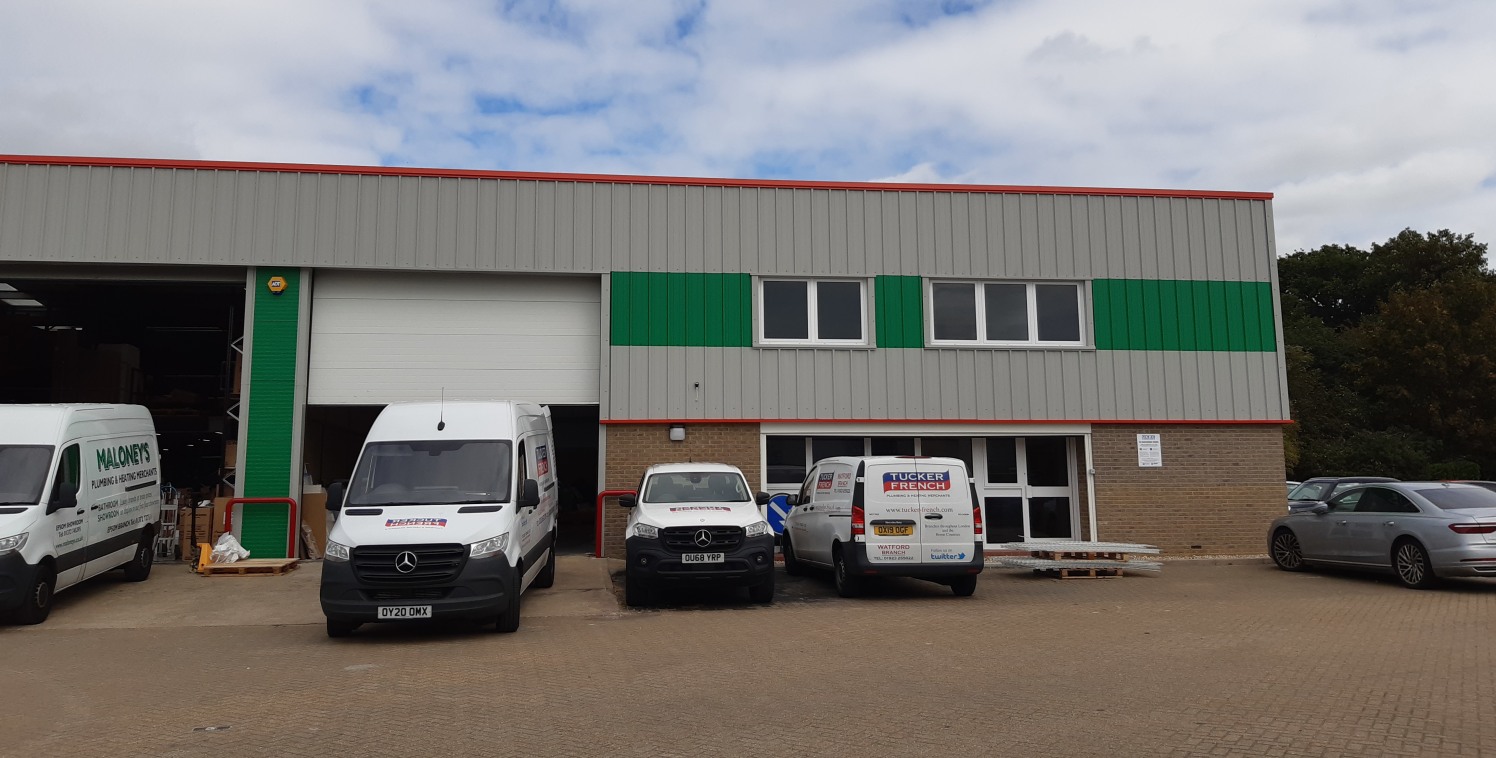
(23, 473)
(696, 487)
(432, 472)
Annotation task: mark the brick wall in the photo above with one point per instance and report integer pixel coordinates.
(634, 447)
(1218, 489)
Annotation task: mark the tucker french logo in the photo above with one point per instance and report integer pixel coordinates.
(916, 481)
(395, 523)
(823, 482)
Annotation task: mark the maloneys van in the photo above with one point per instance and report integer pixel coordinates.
(80, 494)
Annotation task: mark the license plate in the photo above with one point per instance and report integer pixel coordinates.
(404, 612)
(894, 531)
(703, 558)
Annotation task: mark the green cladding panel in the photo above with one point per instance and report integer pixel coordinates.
(1165, 314)
(685, 310)
(272, 399)
(901, 311)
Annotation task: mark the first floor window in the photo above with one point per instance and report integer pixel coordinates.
(1005, 313)
(812, 311)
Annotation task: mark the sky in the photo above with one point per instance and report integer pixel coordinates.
(1362, 117)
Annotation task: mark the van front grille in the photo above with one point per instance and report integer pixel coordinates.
(688, 539)
(408, 564)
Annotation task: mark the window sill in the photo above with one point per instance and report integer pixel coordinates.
(1010, 346)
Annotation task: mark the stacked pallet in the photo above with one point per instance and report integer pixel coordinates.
(1077, 559)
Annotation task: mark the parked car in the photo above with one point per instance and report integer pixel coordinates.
(1420, 531)
(1322, 488)
(886, 516)
(694, 524)
(1292, 484)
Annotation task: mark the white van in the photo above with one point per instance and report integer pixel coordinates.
(450, 514)
(80, 494)
(886, 516)
(693, 524)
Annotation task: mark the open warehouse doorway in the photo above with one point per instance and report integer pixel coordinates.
(335, 434)
(163, 338)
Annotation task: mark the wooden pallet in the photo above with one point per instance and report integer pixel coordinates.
(1075, 555)
(1091, 573)
(249, 567)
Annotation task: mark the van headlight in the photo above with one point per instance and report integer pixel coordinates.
(336, 551)
(12, 544)
(489, 546)
(646, 531)
(756, 529)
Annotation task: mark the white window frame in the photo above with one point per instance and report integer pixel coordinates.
(981, 302)
(812, 290)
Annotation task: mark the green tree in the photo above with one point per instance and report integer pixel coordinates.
(1429, 364)
(1382, 349)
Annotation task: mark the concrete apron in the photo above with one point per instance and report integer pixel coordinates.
(175, 597)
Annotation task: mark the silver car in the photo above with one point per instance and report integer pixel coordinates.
(1421, 531)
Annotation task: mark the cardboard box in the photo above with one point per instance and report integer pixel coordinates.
(231, 454)
(314, 515)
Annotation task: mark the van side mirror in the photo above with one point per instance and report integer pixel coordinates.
(792, 500)
(762, 498)
(63, 499)
(529, 494)
(336, 491)
(628, 501)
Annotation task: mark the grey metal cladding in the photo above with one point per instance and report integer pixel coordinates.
(683, 383)
(217, 217)
(202, 216)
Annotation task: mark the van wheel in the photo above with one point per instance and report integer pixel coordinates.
(508, 620)
(37, 603)
(337, 629)
(139, 567)
(547, 575)
(847, 585)
(963, 586)
(792, 565)
(763, 592)
(636, 593)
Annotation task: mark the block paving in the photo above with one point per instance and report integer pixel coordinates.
(1201, 660)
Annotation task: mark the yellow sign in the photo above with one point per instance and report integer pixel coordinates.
(276, 284)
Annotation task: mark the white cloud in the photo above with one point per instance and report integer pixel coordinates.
(1363, 118)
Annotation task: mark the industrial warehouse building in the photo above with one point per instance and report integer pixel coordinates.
(1106, 361)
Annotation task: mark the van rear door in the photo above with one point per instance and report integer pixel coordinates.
(918, 511)
(947, 529)
(892, 512)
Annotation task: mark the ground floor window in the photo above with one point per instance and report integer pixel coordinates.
(1028, 485)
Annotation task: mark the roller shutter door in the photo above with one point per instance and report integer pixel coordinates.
(380, 337)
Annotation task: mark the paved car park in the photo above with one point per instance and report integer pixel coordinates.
(1203, 659)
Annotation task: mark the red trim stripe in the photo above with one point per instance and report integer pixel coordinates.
(448, 173)
(963, 421)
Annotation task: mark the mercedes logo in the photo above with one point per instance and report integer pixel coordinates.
(703, 538)
(405, 562)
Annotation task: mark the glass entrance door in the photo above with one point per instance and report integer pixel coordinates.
(1027, 488)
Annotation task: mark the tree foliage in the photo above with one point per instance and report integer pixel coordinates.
(1391, 357)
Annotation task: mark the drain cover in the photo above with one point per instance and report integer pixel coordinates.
(210, 728)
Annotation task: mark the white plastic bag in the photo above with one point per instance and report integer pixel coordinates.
(228, 550)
